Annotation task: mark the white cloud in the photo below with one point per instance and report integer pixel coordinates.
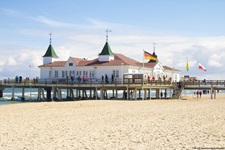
(215, 60)
(11, 61)
(51, 22)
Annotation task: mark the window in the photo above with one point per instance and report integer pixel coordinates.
(72, 73)
(63, 74)
(85, 73)
(91, 74)
(50, 74)
(56, 74)
(116, 73)
(66, 74)
(78, 73)
(70, 64)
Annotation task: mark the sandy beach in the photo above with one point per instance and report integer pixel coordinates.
(111, 124)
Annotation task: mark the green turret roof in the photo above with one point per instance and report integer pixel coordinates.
(106, 50)
(50, 52)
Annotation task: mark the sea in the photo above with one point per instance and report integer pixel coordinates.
(31, 95)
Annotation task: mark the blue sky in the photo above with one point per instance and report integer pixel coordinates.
(187, 28)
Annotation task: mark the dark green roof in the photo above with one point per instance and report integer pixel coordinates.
(50, 52)
(106, 50)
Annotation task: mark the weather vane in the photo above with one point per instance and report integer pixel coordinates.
(107, 34)
(154, 46)
(50, 34)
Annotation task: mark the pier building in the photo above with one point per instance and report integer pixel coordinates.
(108, 65)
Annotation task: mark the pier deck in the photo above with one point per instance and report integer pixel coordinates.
(52, 90)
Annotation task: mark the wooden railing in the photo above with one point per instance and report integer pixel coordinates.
(205, 82)
(116, 81)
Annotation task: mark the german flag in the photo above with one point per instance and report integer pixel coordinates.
(149, 56)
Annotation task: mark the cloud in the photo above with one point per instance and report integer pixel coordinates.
(51, 22)
(215, 60)
(11, 61)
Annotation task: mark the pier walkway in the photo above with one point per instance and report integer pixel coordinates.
(51, 89)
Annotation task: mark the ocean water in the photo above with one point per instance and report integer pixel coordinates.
(31, 95)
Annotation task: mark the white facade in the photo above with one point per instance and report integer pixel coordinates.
(96, 72)
(105, 58)
(107, 64)
(47, 60)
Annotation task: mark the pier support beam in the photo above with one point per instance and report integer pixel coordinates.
(214, 94)
(22, 98)
(116, 94)
(139, 91)
(157, 93)
(90, 95)
(41, 94)
(150, 93)
(135, 94)
(13, 93)
(1, 93)
(101, 94)
(1, 90)
(49, 91)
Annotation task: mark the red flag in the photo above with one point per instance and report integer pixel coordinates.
(201, 67)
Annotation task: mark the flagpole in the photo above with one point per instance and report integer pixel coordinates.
(143, 59)
(187, 66)
(143, 75)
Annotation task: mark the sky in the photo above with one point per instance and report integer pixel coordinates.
(192, 29)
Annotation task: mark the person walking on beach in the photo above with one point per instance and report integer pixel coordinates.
(200, 94)
(165, 95)
(197, 93)
(161, 94)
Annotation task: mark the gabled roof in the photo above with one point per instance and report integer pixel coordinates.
(50, 52)
(107, 50)
(54, 64)
(77, 60)
(150, 65)
(118, 61)
(169, 68)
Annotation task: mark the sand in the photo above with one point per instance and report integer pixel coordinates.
(111, 124)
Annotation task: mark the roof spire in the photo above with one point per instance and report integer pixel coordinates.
(154, 47)
(50, 34)
(107, 33)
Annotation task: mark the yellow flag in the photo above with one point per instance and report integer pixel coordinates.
(187, 68)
